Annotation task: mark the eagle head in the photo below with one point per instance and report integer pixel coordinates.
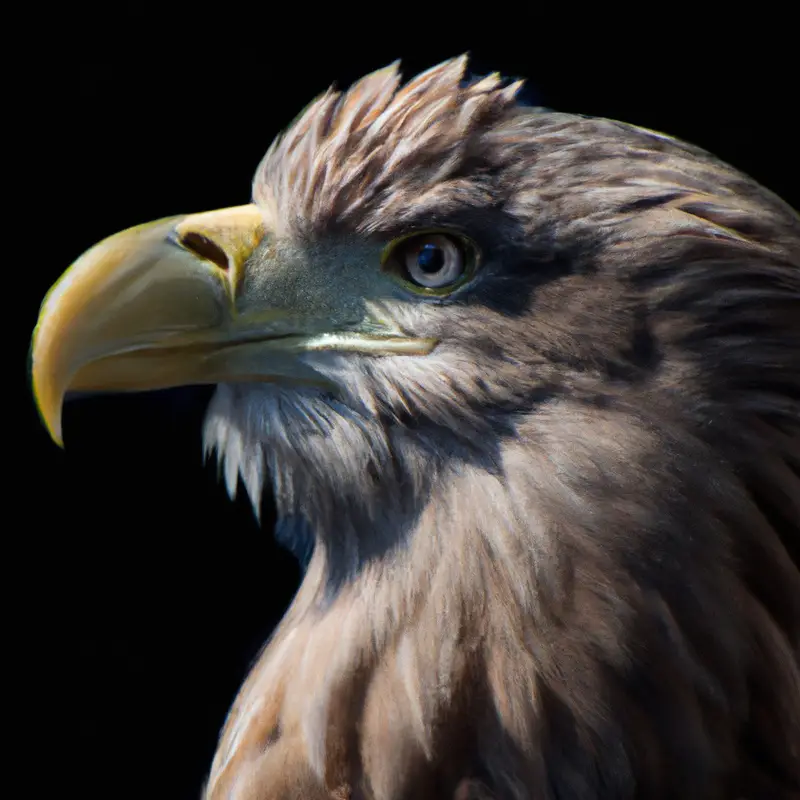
(530, 383)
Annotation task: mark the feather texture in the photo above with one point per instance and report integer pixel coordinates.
(558, 556)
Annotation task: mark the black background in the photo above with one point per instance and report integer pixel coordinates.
(141, 592)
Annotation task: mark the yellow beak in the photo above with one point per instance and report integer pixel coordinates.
(154, 307)
(188, 300)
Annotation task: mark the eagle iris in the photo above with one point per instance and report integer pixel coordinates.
(432, 260)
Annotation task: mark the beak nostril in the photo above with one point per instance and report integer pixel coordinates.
(205, 248)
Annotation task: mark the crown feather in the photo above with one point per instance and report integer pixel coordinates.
(342, 156)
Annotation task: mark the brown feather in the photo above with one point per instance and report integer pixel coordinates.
(592, 586)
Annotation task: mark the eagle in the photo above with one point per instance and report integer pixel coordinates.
(525, 386)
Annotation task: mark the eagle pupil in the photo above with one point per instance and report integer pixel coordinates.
(430, 258)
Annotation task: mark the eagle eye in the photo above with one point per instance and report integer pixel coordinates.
(432, 262)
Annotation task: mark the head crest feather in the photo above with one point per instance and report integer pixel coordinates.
(346, 151)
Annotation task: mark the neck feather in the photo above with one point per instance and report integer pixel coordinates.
(532, 616)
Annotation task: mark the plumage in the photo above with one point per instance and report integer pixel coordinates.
(556, 550)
